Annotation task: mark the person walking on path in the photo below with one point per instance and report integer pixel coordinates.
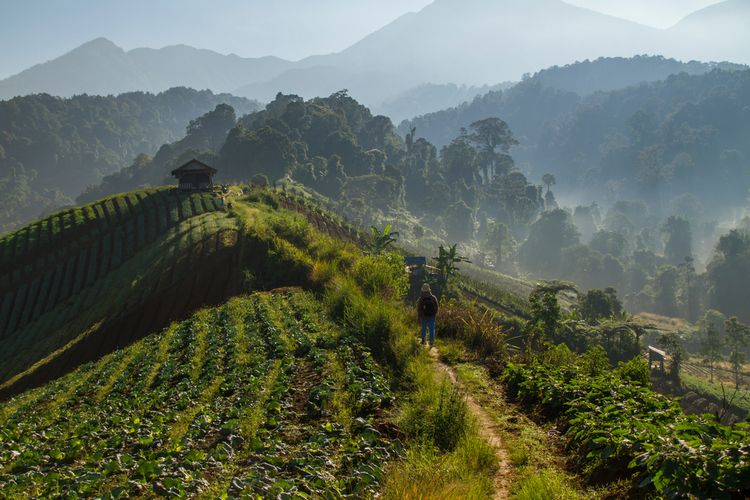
(427, 308)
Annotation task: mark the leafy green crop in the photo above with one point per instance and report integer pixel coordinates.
(237, 400)
(615, 425)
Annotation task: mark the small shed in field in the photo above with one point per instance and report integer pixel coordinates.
(656, 356)
(195, 176)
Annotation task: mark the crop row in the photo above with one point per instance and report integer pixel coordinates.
(39, 286)
(63, 271)
(127, 221)
(498, 297)
(249, 399)
(57, 317)
(613, 423)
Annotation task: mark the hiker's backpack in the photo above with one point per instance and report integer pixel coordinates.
(429, 306)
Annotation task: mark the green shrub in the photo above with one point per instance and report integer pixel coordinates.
(292, 228)
(452, 353)
(636, 370)
(259, 180)
(263, 196)
(558, 356)
(595, 361)
(611, 422)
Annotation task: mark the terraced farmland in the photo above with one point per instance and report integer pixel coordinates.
(261, 396)
(88, 280)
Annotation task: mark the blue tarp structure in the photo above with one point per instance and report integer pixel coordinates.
(415, 261)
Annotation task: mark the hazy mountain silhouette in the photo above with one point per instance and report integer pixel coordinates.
(482, 42)
(479, 42)
(101, 67)
(613, 73)
(718, 31)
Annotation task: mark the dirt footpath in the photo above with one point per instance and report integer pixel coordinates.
(487, 430)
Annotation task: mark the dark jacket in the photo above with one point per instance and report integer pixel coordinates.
(419, 305)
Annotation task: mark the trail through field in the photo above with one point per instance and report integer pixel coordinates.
(488, 430)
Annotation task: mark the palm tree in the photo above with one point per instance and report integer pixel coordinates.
(549, 180)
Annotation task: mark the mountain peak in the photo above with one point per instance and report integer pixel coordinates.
(100, 43)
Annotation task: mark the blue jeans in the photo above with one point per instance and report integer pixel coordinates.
(429, 322)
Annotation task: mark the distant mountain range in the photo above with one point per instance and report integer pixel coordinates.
(477, 43)
(101, 67)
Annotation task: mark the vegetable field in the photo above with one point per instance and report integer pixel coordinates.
(262, 396)
(94, 278)
(618, 428)
(45, 263)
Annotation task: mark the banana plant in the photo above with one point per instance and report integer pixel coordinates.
(381, 240)
(447, 260)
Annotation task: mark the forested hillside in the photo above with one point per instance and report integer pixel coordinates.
(657, 141)
(581, 78)
(535, 286)
(676, 133)
(52, 148)
(659, 257)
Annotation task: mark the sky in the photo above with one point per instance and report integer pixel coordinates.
(35, 31)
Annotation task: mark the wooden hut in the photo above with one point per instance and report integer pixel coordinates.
(656, 356)
(195, 176)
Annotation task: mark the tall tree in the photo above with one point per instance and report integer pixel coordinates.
(499, 241)
(738, 337)
(672, 342)
(493, 139)
(665, 285)
(460, 163)
(548, 236)
(711, 347)
(210, 130)
(679, 240)
(690, 292)
(727, 275)
(549, 180)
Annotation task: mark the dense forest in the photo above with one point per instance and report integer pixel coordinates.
(656, 141)
(471, 191)
(555, 84)
(52, 148)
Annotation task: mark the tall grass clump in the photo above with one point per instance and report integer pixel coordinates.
(481, 331)
(426, 473)
(382, 275)
(543, 485)
(437, 416)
